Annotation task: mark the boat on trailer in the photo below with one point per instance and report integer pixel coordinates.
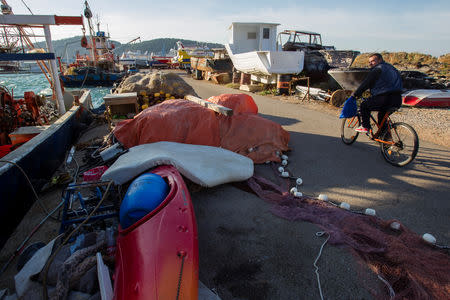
(253, 50)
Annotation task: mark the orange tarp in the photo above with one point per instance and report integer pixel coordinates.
(239, 103)
(186, 122)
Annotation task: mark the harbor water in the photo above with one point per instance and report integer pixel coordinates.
(18, 83)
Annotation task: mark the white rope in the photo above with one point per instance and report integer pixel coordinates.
(391, 290)
(319, 234)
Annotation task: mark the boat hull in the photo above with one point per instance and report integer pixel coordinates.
(100, 79)
(427, 98)
(268, 62)
(39, 158)
(349, 79)
(158, 254)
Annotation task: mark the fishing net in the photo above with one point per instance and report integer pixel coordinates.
(414, 269)
(239, 103)
(156, 82)
(183, 121)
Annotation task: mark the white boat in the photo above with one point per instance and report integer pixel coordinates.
(253, 50)
(136, 58)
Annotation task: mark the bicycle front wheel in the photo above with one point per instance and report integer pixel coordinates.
(404, 146)
(348, 133)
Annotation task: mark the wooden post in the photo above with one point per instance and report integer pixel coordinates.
(213, 106)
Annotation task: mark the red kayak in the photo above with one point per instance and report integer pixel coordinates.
(157, 257)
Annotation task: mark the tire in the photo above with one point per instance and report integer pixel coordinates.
(406, 145)
(348, 133)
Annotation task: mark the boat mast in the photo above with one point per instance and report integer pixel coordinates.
(88, 15)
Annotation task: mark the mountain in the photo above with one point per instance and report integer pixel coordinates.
(67, 48)
(158, 46)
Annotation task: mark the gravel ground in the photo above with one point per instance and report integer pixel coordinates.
(431, 124)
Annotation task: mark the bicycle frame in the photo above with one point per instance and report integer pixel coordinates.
(386, 119)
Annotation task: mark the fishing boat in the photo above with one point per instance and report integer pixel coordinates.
(43, 145)
(318, 58)
(253, 50)
(98, 68)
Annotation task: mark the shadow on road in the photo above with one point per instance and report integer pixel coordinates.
(416, 194)
(283, 121)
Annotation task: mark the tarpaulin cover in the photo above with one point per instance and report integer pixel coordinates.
(183, 121)
(239, 103)
(204, 165)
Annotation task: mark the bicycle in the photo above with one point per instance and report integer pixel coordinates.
(398, 141)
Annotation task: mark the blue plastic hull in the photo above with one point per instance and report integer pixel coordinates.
(39, 158)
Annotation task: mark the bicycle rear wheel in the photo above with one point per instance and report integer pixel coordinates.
(348, 133)
(405, 147)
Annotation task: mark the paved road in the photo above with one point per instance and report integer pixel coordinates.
(246, 252)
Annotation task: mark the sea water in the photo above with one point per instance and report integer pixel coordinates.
(18, 83)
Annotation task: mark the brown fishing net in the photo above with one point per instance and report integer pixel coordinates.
(414, 269)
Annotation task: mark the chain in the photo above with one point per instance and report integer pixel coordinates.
(182, 255)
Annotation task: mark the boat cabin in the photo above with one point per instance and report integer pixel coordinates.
(293, 40)
(248, 37)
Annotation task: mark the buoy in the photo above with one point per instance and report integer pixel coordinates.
(298, 194)
(284, 162)
(294, 190)
(429, 238)
(323, 197)
(345, 205)
(395, 225)
(280, 169)
(285, 174)
(370, 212)
(299, 181)
(284, 157)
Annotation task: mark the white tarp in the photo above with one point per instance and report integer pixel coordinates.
(32, 267)
(205, 165)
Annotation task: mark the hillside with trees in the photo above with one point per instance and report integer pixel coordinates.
(67, 48)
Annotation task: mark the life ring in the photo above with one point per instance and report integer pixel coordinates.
(84, 42)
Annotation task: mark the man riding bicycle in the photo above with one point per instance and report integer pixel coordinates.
(385, 86)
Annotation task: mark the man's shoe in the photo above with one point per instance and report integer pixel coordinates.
(362, 129)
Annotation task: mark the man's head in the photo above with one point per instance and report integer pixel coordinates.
(375, 59)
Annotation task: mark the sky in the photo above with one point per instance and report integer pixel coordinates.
(366, 26)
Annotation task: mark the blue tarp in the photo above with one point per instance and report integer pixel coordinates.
(26, 56)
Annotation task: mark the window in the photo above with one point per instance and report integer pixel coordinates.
(251, 35)
(266, 32)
